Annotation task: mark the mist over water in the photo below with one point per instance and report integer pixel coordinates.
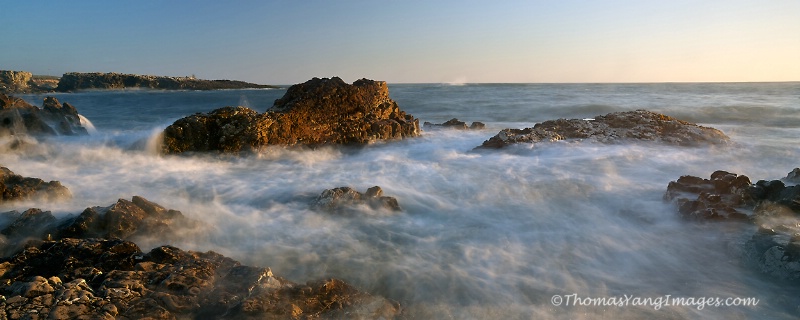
(482, 234)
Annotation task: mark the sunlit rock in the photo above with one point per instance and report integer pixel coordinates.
(639, 125)
(16, 187)
(18, 117)
(317, 112)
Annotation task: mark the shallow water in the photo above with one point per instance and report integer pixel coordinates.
(483, 234)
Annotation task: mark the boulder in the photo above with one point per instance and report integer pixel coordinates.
(113, 278)
(453, 124)
(639, 125)
(317, 112)
(16, 187)
(18, 117)
(725, 196)
(346, 200)
(793, 176)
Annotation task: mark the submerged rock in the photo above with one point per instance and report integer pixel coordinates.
(454, 124)
(772, 206)
(615, 127)
(18, 117)
(345, 199)
(317, 112)
(101, 278)
(17, 187)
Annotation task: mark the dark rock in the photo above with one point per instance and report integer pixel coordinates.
(16, 187)
(725, 196)
(346, 200)
(317, 112)
(793, 176)
(81, 81)
(95, 278)
(639, 125)
(453, 124)
(17, 117)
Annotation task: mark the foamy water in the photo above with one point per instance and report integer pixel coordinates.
(483, 234)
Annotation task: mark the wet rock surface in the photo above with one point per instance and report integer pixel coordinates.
(317, 112)
(454, 124)
(113, 279)
(18, 117)
(16, 187)
(344, 200)
(85, 267)
(771, 206)
(639, 125)
(97, 80)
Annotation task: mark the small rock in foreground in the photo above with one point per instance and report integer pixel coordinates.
(16, 187)
(345, 199)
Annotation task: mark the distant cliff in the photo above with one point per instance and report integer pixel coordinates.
(25, 82)
(81, 81)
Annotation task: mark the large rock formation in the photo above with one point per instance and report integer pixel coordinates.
(84, 267)
(18, 117)
(317, 112)
(16, 187)
(97, 80)
(771, 205)
(612, 128)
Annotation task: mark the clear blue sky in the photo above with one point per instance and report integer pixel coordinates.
(284, 42)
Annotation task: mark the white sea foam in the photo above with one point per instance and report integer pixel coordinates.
(483, 234)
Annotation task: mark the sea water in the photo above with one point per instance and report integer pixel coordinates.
(490, 234)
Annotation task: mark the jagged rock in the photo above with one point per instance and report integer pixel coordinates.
(345, 199)
(772, 206)
(18, 117)
(317, 112)
(135, 220)
(16, 187)
(793, 176)
(78, 81)
(721, 197)
(14, 81)
(95, 278)
(612, 128)
(454, 124)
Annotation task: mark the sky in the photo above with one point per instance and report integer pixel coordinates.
(286, 42)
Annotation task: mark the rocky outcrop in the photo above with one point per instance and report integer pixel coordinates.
(18, 117)
(771, 205)
(639, 125)
(454, 124)
(85, 267)
(25, 82)
(16, 187)
(135, 219)
(114, 279)
(81, 81)
(317, 112)
(347, 200)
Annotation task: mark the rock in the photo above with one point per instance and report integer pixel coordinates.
(346, 199)
(14, 81)
(724, 196)
(17, 117)
(97, 80)
(772, 206)
(639, 125)
(136, 220)
(166, 283)
(16, 187)
(317, 112)
(793, 176)
(454, 124)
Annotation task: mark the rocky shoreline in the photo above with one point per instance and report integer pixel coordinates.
(25, 82)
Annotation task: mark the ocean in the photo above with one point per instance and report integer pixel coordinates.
(490, 234)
